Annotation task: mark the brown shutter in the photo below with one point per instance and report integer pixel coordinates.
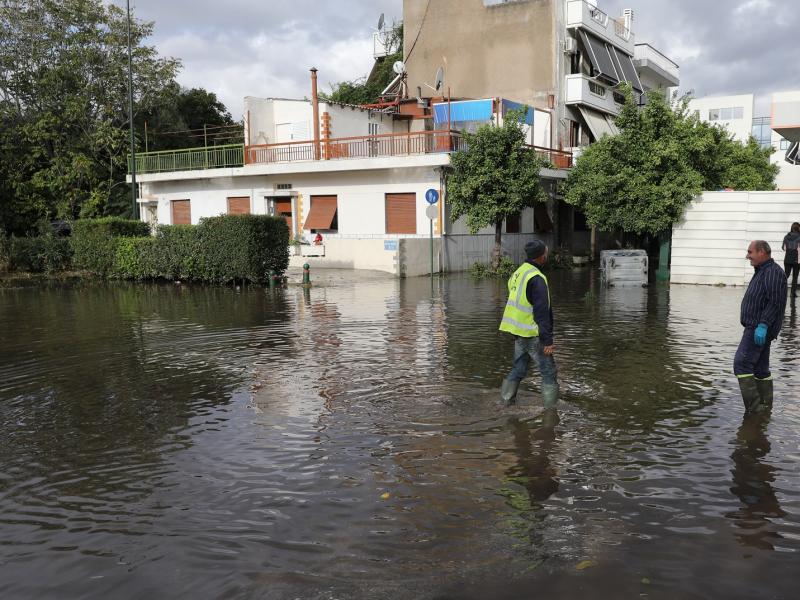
(239, 205)
(323, 210)
(181, 212)
(401, 213)
(283, 208)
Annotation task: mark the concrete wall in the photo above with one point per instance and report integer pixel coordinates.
(347, 121)
(505, 50)
(710, 243)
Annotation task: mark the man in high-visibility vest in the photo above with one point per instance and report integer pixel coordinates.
(528, 316)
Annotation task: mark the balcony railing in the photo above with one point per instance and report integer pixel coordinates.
(581, 14)
(189, 159)
(560, 159)
(651, 55)
(372, 146)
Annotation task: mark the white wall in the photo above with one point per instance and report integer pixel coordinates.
(740, 128)
(709, 245)
(347, 121)
(789, 176)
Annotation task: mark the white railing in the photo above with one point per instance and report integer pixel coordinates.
(650, 54)
(581, 14)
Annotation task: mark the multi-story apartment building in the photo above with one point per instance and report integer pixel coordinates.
(564, 56)
(781, 129)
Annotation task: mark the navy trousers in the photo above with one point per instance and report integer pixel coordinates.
(751, 359)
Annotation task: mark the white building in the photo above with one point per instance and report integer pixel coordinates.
(736, 114)
(360, 180)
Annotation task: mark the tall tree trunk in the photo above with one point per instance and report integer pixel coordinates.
(498, 250)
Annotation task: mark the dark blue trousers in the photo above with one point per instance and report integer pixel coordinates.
(751, 359)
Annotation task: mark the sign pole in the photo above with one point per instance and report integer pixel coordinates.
(432, 197)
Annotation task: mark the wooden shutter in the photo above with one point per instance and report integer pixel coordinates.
(322, 213)
(181, 212)
(401, 213)
(283, 208)
(239, 205)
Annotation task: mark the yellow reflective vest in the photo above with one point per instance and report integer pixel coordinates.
(518, 316)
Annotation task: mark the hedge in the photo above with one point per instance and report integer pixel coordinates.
(93, 241)
(219, 250)
(4, 250)
(44, 254)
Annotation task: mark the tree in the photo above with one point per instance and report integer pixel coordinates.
(367, 90)
(641, 180)
(63, 107)
(495, 178)
(187, 118)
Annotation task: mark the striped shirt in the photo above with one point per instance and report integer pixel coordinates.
(765, 298)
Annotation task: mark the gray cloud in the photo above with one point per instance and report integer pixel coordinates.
(238, 47)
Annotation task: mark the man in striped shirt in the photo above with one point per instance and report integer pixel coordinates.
(763, 306)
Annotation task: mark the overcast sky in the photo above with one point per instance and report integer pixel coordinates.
(239, 48)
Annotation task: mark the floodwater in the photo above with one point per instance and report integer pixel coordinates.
(167, 441)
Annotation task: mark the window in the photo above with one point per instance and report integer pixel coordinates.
(513, 223)
(373, 128)
(579, 222)
(784, 144)
(713, 114)
(725, 114)
(597, 89)
(619, 98)
(401, 213)
(239, 205)
(762, 131)
(181, 212)
(322, 215)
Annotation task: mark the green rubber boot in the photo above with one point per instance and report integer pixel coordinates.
(765, 393)
(550, 394)
(750, 396)
(509, 391)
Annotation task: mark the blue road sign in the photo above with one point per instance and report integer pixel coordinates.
(432, 196)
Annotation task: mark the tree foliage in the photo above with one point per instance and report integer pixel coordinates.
(641, 180)
(367, 90)
(495, 178)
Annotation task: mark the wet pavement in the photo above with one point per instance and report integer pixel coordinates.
(346, 441)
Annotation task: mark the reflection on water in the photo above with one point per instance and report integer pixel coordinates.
(348, 441)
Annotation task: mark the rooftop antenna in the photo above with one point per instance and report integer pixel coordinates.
(438, 81)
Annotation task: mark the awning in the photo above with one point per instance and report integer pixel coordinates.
(626, 69)
(599, 55)
(323, 209)
(598, 123)
(463, 110)
(509, 105)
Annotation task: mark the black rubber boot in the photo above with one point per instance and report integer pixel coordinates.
(750, 396)
(765, 394)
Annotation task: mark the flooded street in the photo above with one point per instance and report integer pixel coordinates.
(165, 441)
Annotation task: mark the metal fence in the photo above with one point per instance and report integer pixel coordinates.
(460, 252)
(189, 159)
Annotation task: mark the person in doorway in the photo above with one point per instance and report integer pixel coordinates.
(791, 244)
(528, 316)
(318, 239)
(762, 311)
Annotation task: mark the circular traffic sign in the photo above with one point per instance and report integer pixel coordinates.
(432, 196)
(431, 212)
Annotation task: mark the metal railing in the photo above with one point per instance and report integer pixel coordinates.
(560, 159)
(189, 159)
(371, 146)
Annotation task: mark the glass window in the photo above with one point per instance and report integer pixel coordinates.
(784, 144)
(738, 112)
(713, 114)
(725, 114)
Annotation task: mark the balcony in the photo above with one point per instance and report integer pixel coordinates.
(654, 66)
(374, 146)
(582, 89)
(786, 115)
(189, 159)
(581, 14)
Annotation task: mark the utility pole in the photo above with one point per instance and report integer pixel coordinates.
(134, 208)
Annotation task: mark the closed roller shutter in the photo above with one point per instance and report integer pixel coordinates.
(239, 205)
(401, 213)
(283, 208)
(181, 212)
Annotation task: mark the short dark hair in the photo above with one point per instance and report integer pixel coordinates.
(796, 227)
(762, 246)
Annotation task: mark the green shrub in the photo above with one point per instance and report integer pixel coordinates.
(43, 254)
(504, 270)
(4, 250)
(93, 241)
(178, 251)
(136, 258)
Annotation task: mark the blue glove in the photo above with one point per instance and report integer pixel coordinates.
(760, 336)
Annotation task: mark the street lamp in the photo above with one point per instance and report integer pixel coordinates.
(135, 212)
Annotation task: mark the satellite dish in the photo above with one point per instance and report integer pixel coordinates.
(439, 79)
(399, 67)
(381, 21)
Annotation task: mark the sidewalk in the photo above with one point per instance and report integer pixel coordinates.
(334, 277)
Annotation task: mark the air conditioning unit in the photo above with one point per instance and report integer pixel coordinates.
(570, 45)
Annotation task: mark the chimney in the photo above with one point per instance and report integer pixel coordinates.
(627, 18)
(315, 111)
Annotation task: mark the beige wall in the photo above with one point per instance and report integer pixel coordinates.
(496, 51)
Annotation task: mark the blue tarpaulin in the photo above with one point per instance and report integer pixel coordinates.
(509, 105)
(464, 110)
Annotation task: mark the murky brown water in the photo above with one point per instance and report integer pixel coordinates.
(346, 442)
